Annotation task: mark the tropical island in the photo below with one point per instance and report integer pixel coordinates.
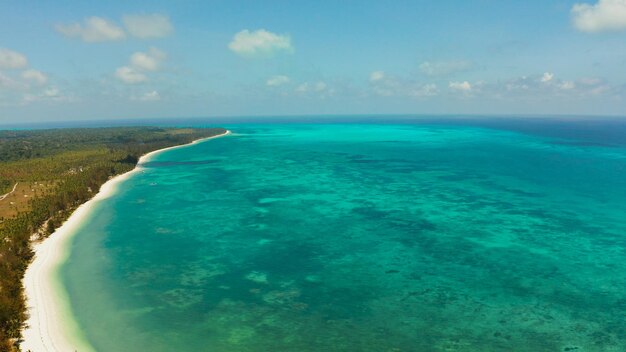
(44, 176)
(432, 176)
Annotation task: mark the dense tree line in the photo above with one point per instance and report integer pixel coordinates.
(78, 162)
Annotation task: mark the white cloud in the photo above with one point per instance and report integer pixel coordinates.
(531, 88)
(320, 86)
(464, 86)
(150, 96)
(317, 89)
(10, 59)
(312, 87)
(148, 26)
(427, 90)
(605, 15)
(259, 43)
(304, 87)
(547, 77)
(590, 81)
(600, 90)
(384, 85)
(94, 29)
(521, 83)
(388, 85)
(545, 83)
(277, 81)
(129, 75)
(51, 94)
(149, 61)
(9, 83)
(443, 68)
(144, 61)
(18, 88)
(35, 76)
(140, 63)
(377, 76)
(594, 86)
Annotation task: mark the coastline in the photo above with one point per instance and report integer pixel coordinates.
(50, 326)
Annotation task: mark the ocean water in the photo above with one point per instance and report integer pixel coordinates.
(360, 237)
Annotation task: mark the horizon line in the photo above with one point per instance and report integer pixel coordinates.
(308, 116)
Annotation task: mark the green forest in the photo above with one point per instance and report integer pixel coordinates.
(72, 164)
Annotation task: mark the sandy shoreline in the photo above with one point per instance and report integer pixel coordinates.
(50, 326)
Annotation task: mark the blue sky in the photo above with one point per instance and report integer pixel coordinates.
(70, 60)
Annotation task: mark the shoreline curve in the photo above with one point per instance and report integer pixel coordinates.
(50, 325)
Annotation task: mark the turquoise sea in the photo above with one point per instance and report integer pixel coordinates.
(362, 237)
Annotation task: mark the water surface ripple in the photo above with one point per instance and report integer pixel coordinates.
(360, 238)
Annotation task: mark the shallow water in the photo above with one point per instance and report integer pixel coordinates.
(365, 237)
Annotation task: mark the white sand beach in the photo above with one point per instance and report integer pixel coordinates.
(51, 326)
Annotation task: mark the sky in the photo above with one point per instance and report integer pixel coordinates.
(88, 60)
